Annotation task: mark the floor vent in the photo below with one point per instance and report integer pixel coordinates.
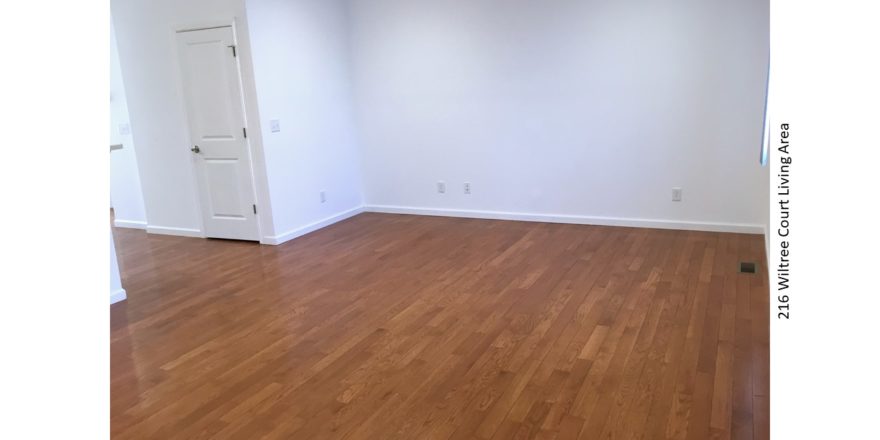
(747, 267)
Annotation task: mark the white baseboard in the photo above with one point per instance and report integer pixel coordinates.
(182, 232)
(133, 224)
(299, 232)
(572, 219)
(117, 296)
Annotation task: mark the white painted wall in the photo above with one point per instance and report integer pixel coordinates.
(125, 183)
(567, 108)
(301, 66)
(146, 39)
(584, 110)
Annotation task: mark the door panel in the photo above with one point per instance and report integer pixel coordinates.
(221, 176)
(215, 113)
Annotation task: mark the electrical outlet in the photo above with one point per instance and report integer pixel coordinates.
(275, 125)
(441, 187)
(676, 194)
(124, 129)
(323, 195)
(467, 187)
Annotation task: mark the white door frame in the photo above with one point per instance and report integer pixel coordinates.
(251, 121)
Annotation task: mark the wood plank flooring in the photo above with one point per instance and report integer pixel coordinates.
(406, 327)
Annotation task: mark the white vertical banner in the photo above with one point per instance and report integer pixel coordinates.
(823, 231)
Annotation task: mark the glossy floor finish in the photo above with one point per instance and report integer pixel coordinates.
(387, 326)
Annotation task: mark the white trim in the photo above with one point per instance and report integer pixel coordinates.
(299, 232)
(117, 296)
(133, 224)
(204, 24)
(182, 232)
(573, 219)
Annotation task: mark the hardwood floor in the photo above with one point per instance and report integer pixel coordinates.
(387, 326)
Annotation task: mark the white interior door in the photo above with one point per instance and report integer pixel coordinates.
(215, 111)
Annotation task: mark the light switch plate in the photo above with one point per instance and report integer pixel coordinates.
(124, 129)
(275, 125)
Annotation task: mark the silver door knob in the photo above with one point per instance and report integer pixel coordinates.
(195, 149)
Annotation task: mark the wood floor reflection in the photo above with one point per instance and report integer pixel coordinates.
(387, 326)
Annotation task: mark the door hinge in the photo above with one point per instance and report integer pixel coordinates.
(244, 131)
(232, 46)
(255, 209)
